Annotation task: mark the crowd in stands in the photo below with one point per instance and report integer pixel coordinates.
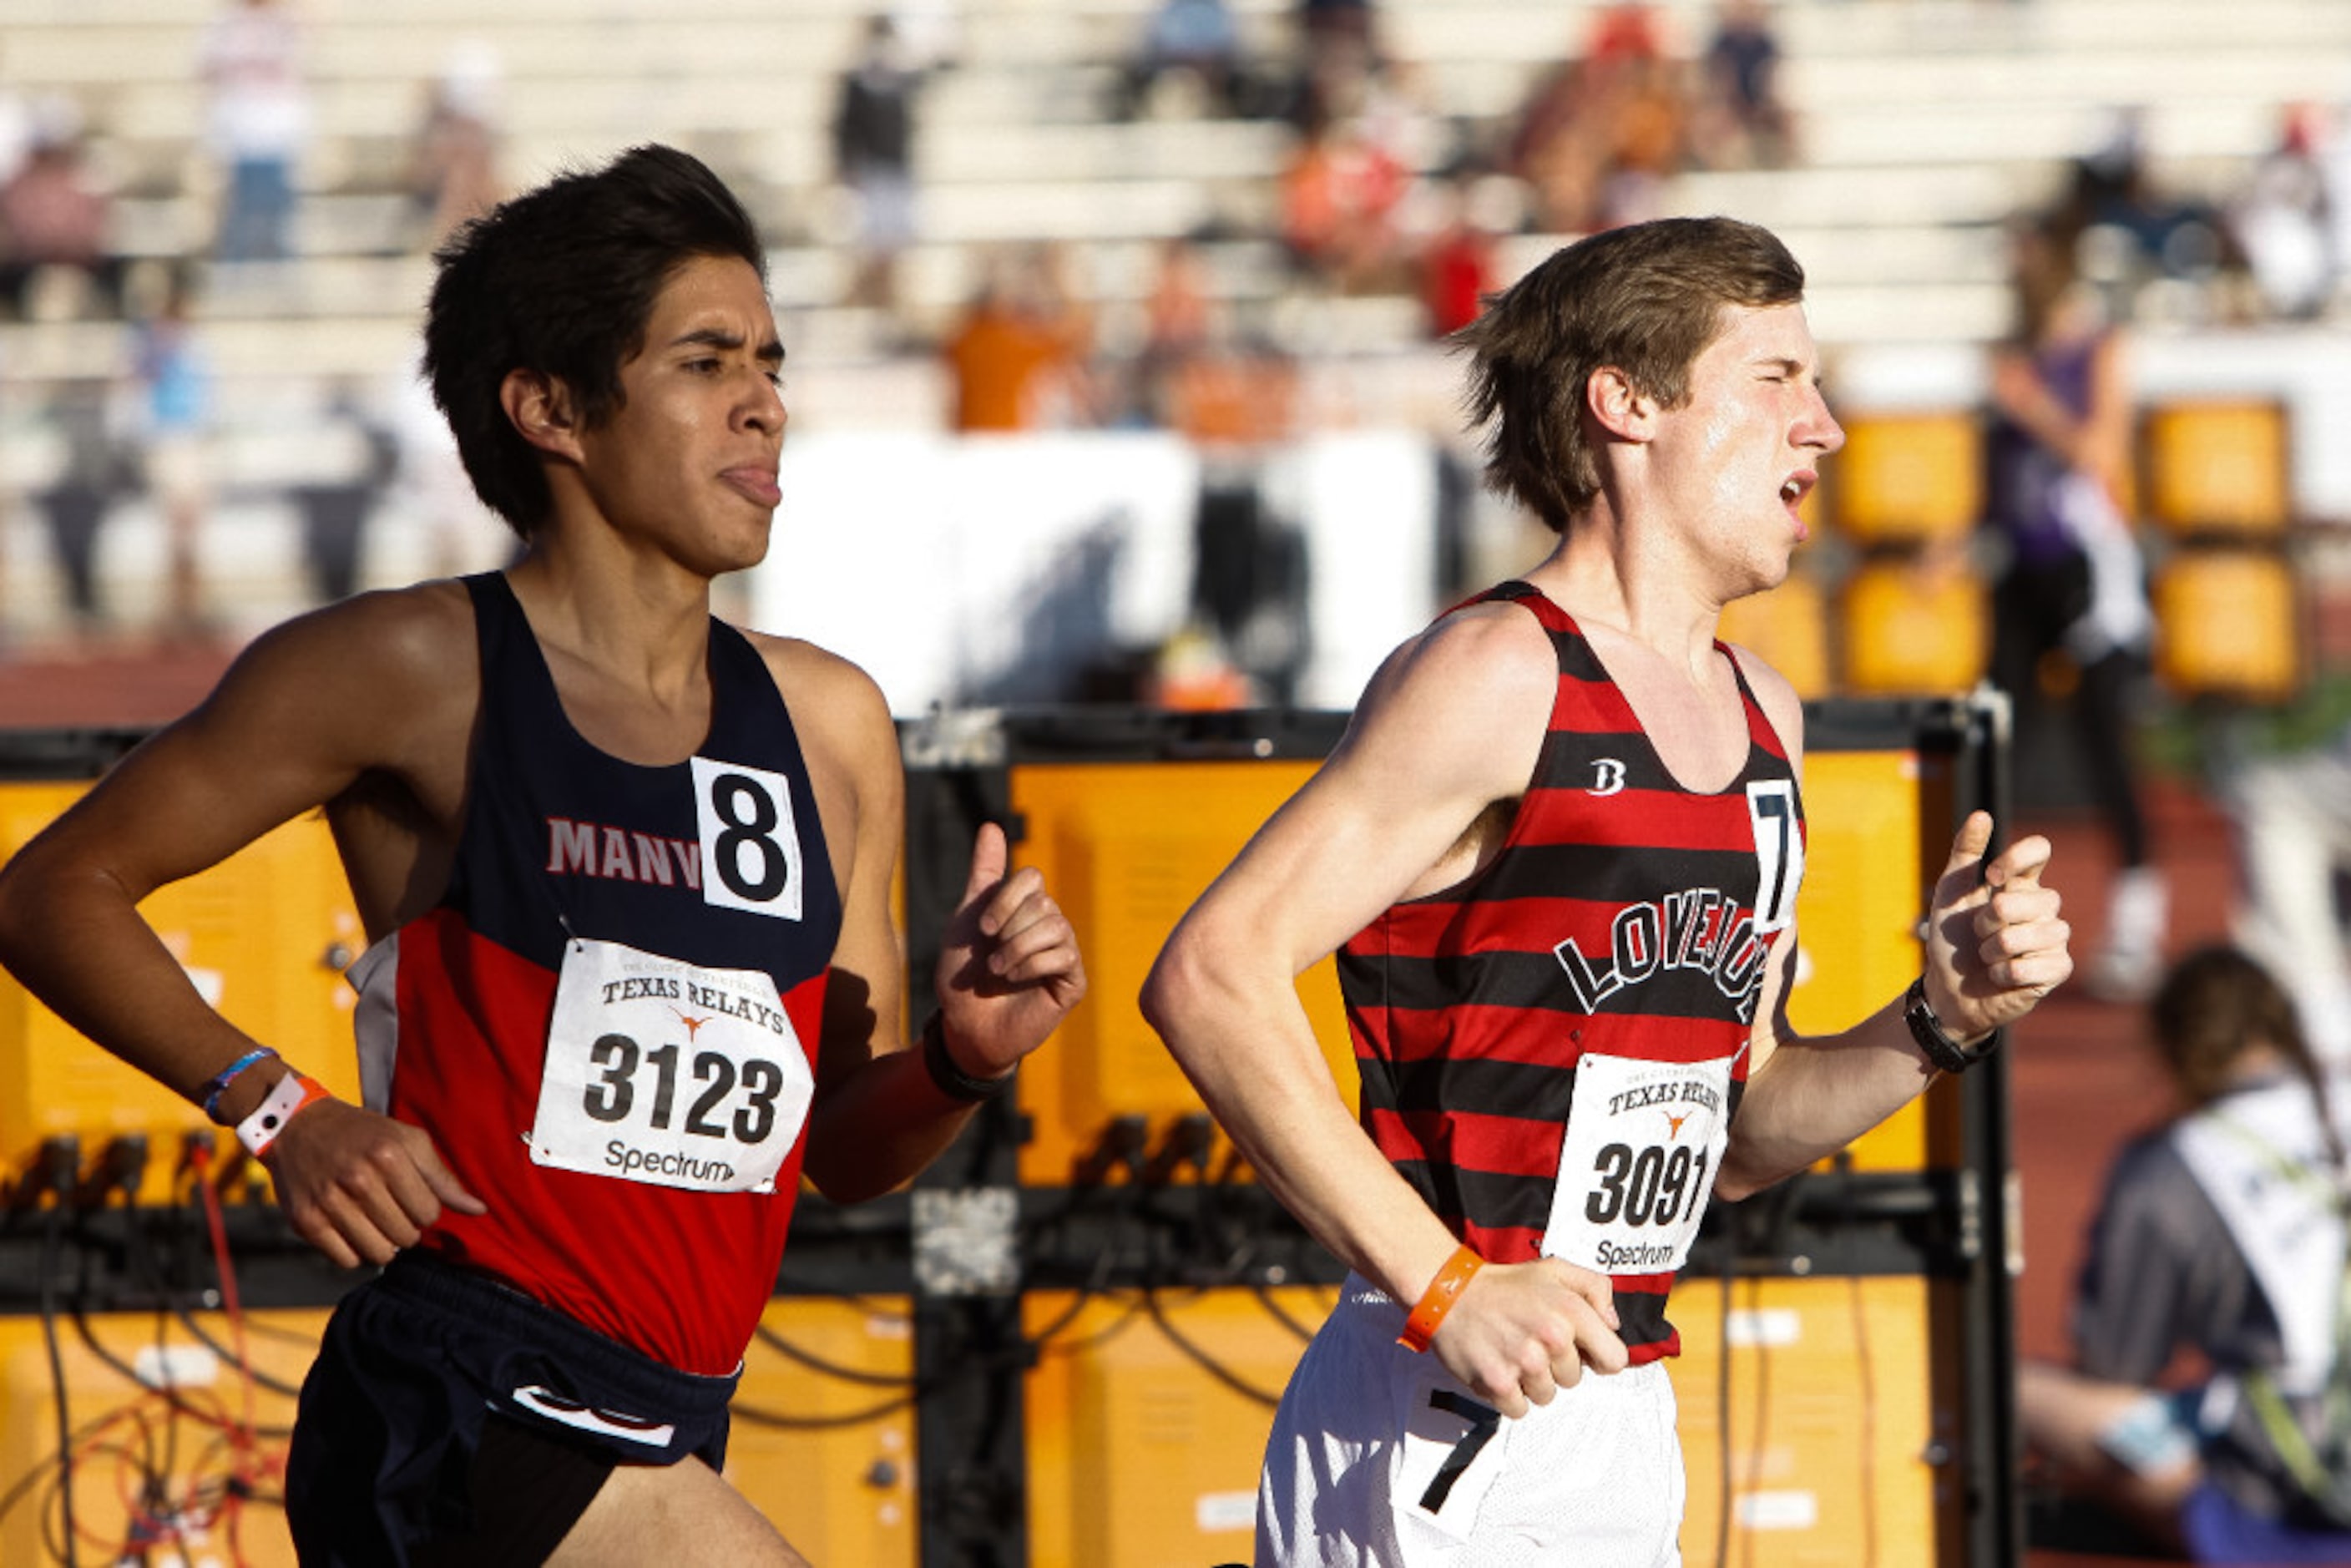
(1385, 193)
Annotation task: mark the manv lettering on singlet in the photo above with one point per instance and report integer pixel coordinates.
(1686, 930)
(623, 854)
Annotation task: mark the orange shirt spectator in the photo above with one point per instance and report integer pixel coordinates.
(1337, 197)
(1006, 365)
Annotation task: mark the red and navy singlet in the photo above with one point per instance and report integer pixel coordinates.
(1552, 1049)
(609, 1024)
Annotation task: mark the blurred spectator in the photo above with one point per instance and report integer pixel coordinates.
(1180, 320)
(1599, 134)
(1337, 24)
(2290, 807)
(1180, 311)
(1460, 265)
(1191, 673)
(1646, 103)
(2071, 596)
(259, 124)
(930, 32)
(1192, 41)
(1250, 581)
(2283, 224)
(1338, 196)
(2334, 163)
(1622, 35)
(175, 430)
(54, 223)
(1560, 150)
(874, 149)
(1338, 32)
(2115, 197)
(2221, 1235)
(1018, 357)
(359, 456)
(1338, 52)
(453, 172)
(436, 497)
(1235, 399)
(1740, 122)
(78, 497)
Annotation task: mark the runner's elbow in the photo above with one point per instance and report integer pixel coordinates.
(1741, 1176)
(1731, 1188)
(849, 1176)
(1181, 985)
(30, 899)
(1164, 988)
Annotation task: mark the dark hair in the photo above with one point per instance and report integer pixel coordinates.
(2215, 1005)
(561, 280)
(1647, 299)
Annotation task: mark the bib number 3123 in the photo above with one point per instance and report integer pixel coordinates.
(663, 1072)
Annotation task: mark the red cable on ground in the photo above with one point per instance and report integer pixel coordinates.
(245, 1467)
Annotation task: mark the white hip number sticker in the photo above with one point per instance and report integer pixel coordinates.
(666, 1072)
(1644, 1142)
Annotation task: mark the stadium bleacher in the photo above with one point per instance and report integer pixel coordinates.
(1926, 125)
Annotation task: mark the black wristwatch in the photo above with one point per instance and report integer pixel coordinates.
(1946, 1053)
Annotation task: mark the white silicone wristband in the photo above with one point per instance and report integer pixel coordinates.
(290, 1094)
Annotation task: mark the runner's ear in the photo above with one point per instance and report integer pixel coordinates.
(539, 407)
(1622, 408)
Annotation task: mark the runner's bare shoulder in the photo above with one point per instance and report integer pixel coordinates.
(835, 704)
(381, 679)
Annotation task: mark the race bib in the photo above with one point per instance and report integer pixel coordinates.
(664, 1073)
(1643, 1142)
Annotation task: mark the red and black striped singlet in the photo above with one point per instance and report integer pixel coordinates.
(1619, 918)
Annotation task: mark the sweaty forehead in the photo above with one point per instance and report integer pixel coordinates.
(1756, 333)
(719, 301)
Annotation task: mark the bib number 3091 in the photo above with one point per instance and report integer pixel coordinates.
(1643, 1143)
(1649, 1188)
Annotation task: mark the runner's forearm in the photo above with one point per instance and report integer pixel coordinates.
(1812, 1097)
(76, 940)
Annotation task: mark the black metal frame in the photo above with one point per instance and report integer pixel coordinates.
(1954, 1224)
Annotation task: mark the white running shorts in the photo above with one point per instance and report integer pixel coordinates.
(1380, 1459)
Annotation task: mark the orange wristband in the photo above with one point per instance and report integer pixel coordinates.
(1439, 1298)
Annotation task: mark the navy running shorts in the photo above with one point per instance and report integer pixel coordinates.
(449, 1420)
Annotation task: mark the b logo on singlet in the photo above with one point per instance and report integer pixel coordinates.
(750, 845)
